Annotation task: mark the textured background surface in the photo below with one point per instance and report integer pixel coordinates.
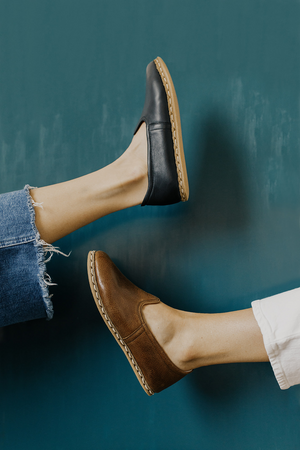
(72, 79)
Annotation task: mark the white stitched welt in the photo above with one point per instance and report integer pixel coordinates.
(177, 158)
(108, 321)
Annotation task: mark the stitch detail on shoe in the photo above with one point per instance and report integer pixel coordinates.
(110, 324)
(170, 106)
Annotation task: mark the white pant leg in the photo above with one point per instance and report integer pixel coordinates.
(279, 320)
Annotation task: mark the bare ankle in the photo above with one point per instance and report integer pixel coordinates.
(134, 159)
(133, 169)
(170, 328)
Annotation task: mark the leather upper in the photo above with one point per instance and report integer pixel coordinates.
(163, 186)
(122, 298)
(123, 302)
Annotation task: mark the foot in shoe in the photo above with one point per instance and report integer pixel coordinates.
(167, 175)
(121, 305)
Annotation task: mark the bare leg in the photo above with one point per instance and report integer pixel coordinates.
(71, 205)
(193, 340)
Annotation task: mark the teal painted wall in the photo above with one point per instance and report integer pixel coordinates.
(72, 79)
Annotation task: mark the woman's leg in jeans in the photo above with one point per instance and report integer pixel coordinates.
(193, 340)
(71, 205)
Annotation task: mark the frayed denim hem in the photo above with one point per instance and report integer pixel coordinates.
(24, 282)
(45, 252)
(44, 278)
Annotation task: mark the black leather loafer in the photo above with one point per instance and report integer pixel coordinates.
(167, 176)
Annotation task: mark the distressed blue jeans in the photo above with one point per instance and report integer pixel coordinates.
(24, 293)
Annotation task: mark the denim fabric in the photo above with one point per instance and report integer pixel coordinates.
(23, 290)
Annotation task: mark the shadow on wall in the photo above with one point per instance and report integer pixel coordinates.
(219, 199)
(219, 207)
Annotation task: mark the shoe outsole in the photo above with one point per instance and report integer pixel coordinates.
(99, 303)
(176, 128)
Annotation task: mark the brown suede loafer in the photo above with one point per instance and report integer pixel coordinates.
(120, 304)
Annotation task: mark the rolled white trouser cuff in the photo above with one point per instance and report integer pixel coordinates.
(279, 320)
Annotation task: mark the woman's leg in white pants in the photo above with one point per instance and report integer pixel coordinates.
(193, 340)
(279, 320)
(270, 331)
